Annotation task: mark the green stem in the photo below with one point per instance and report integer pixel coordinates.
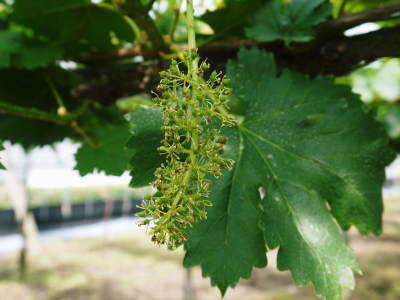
(192, 74)
(86, 138)
(190, 25)
(342, 8)
(191, 36)
(32, 113)
(55, 93)
(37, 114)
(176, 19)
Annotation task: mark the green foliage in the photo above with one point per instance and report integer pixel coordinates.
(291, 144)
(353, 6)
(229, 20)
(70, 23)
(8, 44)
(294, 21)
(109, 154)
(19, 51)
(21, 83)
(31, 89)
(389, 114)
(32, 133)
(146, 133)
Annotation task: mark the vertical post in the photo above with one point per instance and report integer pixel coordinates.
(191, 36)
(26, 222)
(190, 25)
(188, 285)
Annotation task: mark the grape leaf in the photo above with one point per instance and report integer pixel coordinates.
(110, 154)
(30, 133)
(318, 155)
(230, 20)
(146, 137)
(21, 52)
(1, 148)
(34, 54)
(30, 89)
(291, 21)
(9, 42)
(230, 243)
(72, 22)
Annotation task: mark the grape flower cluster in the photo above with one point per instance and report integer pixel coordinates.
(194, 110)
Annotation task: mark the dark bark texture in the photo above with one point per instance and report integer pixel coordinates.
(108, 76)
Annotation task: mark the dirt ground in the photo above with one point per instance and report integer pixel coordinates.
(129, 267)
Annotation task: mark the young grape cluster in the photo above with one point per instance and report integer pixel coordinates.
(194, 112)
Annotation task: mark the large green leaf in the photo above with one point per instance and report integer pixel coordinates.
(318, 155)
(110, 154)
(146, 133)
(230, 243)
(74, 22)
(294, 20)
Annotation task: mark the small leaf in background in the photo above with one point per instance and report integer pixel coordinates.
(146, 136)
(291, 21)
(110, 154)
(389, 115)
(230, 19)
(300, 142)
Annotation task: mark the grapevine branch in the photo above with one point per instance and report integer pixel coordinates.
(333, 56)
(383, 12)
(332, 53)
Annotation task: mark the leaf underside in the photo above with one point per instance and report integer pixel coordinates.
(18, 51)
(110, 155)
(146, 137)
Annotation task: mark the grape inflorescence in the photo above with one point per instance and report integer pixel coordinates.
(195, 110)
